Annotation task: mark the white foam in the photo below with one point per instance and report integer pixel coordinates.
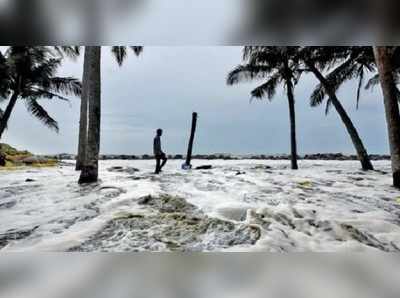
(329, 192)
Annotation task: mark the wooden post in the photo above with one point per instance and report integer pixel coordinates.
(192, 132)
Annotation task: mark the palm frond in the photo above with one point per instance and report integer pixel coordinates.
(372, 82)
(317, 96)
(271, 58)
(328, 106)
(267, 89)
(66, 86)
(335, 79)
(137, 50)
(41, 93)
(247, 72)
(119, 54)
(41, 114)
(345, 71)
(45, 70)
(249, 50)
(69, 51)
(360, 84)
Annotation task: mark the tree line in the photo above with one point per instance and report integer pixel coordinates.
(29, 74)
(332, 67)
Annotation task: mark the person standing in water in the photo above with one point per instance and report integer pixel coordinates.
(158, 153)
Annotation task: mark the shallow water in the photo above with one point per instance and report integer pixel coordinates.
(325, 206)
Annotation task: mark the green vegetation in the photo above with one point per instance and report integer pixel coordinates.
(15, 158)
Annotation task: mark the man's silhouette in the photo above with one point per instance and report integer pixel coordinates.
(158, 153)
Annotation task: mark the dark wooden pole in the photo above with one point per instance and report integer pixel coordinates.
(192, 132)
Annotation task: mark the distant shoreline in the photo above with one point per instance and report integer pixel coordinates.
(219, 156)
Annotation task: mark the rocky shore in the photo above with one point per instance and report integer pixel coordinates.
(318, 156)
(11, 157)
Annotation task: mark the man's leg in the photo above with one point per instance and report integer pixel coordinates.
(158, 168)
(164, 161)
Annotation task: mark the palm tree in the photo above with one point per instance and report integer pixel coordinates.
(83, 121)
(91, 100)
(29, 75)
(278, 65)
(383, 56)
(395, 65)
(319, 59)
(89, 135)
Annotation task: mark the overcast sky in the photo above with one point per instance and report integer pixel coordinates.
(166, 84)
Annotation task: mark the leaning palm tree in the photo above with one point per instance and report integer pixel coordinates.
(278, 66)
(384, 57)
(320, 59)
(89, 134)
(29, 75)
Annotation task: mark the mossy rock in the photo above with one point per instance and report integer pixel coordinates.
(167, 204)
(12, 152)
(14, 158)
(168, 223)
(305, 184)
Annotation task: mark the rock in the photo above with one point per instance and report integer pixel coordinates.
(145, 200)
(128, 170)
(10, 155)
(8, 205)
(65, 156)
(15, 235)
(261, 167)
(35, 160)
(305, 184)
(167, 203)
(169, 224)
(2, 160)
(115, 168)
(205, 167)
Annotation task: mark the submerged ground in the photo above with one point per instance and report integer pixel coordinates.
(236, 206)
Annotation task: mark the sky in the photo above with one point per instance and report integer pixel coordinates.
(161, 89)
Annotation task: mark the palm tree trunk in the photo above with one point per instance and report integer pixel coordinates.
(292, 114)
(89, 172)
(83, 123)
(7, 113)
(383, 61)
(357, 142)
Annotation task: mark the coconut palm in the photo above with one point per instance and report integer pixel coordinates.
(278, 66)
(89, 135)
(320, 59)
(29, 75)
(384, 59)
(359, 63)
